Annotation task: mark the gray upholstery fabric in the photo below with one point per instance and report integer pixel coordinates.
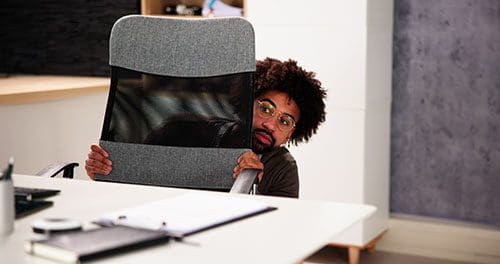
(178, 48)
(201, 168)
(183, 47)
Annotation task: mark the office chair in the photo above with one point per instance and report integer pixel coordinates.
(179, 111)
(55, 168)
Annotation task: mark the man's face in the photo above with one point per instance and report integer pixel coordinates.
(274, 117)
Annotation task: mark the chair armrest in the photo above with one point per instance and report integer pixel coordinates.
(245, 181)
(53, 169)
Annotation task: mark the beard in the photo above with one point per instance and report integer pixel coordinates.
(260, 147)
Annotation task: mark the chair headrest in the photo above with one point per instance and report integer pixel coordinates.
(183, 47)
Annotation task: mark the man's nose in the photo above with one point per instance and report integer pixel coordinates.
(270, 124)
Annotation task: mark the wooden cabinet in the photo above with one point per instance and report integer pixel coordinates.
(158, 7)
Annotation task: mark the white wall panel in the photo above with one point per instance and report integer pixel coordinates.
(336, 54)
(312, 12)
(329, 165)
(348, 45)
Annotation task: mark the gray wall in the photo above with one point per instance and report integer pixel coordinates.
(445, 159)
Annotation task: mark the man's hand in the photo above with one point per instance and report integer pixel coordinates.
(248, 160)
(97, 162)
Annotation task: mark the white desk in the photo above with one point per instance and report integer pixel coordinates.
(287, 235)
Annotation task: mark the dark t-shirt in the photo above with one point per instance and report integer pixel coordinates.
(281, 177)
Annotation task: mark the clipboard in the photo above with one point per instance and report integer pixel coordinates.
(186, 214)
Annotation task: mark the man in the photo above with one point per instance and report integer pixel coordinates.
(288, 107)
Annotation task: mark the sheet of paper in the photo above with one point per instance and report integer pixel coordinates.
(186, 213)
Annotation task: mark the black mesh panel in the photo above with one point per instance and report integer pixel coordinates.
(172, 111)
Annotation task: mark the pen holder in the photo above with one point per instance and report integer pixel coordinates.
(7, 209)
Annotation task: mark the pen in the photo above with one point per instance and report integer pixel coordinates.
(7, 173)
(7, 201)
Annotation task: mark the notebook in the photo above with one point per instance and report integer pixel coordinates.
(26, 207)
(74, 247)
(186, 214)
(26, 193)
(30, 200)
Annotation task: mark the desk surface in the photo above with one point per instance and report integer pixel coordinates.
(287, 235)
(18, 89)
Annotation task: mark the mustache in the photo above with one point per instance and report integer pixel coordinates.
(267, 133)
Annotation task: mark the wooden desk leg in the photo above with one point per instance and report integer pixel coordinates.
(355, 251)
(371, 247)
(354, 255)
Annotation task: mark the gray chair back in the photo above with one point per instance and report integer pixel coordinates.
(182, 73)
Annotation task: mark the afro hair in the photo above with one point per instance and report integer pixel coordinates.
(301, 86)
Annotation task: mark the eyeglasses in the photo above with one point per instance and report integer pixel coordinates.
(268, 110)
